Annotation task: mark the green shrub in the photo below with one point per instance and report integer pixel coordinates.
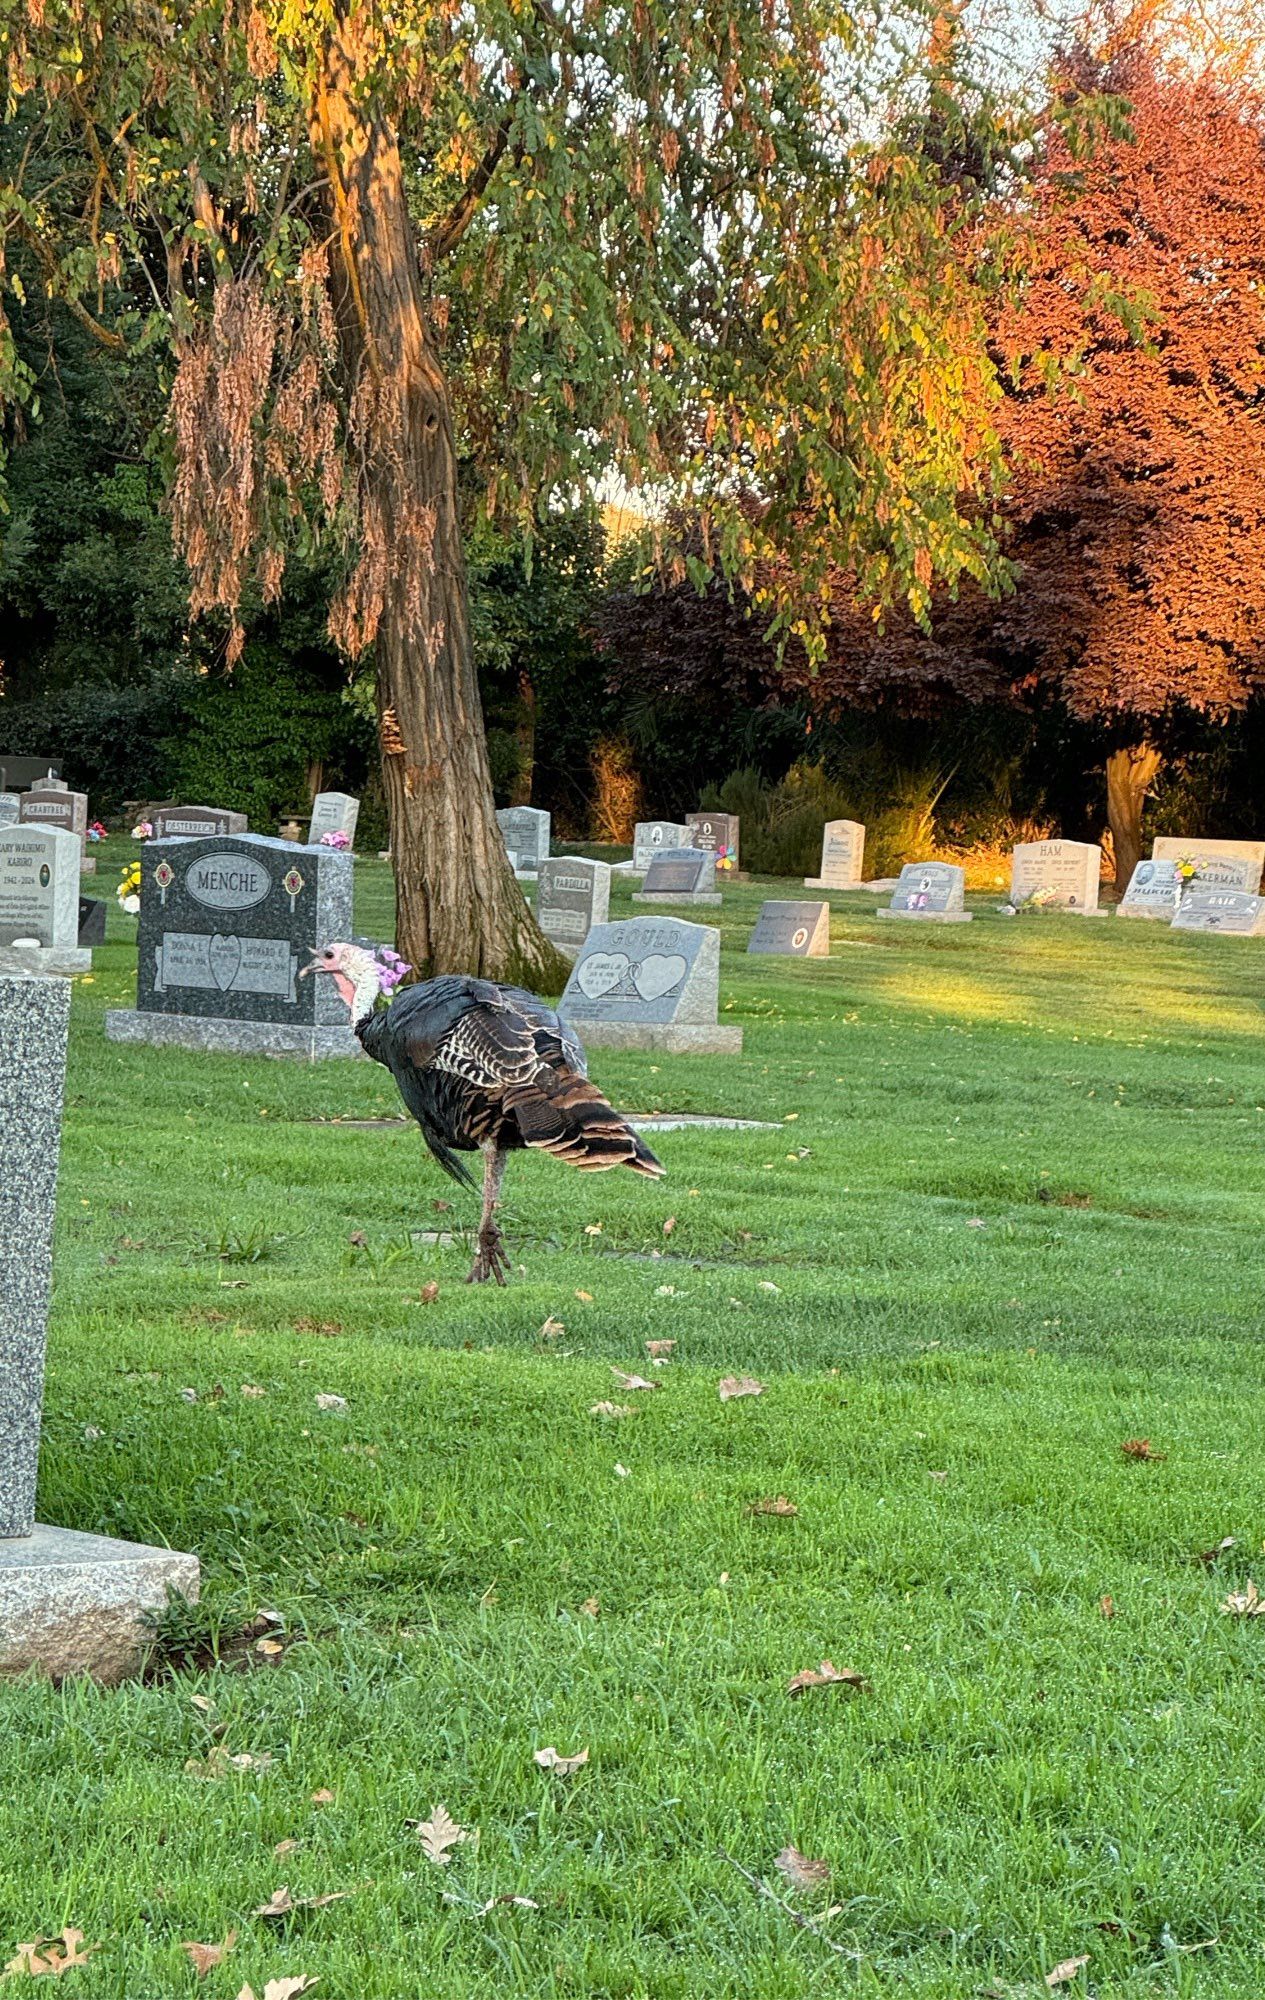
(781, 823)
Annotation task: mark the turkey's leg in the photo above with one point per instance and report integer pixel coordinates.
(491, 1260)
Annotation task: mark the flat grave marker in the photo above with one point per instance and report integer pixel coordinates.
(929, 892)
(649, 983)
(572, 894)
(651, 837)
(39, 898)
(683, 875)
(842, 856)
(791, 930)
(195, 822)
(1231, 912)
(525, 831)
(1154, 891)
(1063, 873)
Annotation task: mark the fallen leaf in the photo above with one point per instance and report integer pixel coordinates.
(188, 1395)
(253, 1391)
(732, 1386)
(767, 1284)
(621, 1471)
(205, 1957)
(286, 1847)
(272, 1649)
(440, 1832)
(1107, 1605)
(592, 1229)
(324, 1402)
(552, 1329)
(44, 1956)
(827, 1675)
(1210, 1555)
(429, 1293)
(611, 1410)
(778, 1504)
(1244, 1603)
(281, 1989)
(325, 1327)
(519, 1903)
(623, 1381)
(281, 1903)
(939, 1477)
(585, 1298)
(658, 1350)
(669, 1225)
(590, 1607)
(218, 1762)
(358, 1239)
(203, 1702)
(1141, 1448)
(977, 1222)
(549, 1759)
(802, 1874)
(1063, 1973)
(322, 1798)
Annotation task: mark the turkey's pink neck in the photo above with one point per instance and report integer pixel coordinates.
(359, 994)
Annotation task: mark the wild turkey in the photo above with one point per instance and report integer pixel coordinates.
(483, 1068)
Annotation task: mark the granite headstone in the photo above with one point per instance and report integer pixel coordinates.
(195, 822)
(1064, 873)
(333, 812)
(714, 832)
(18, 774)
(651, 983)
(1155, 889)
(791, 930)
(10, 808)
(525, 831)
(572, 894)
(91, 922)
(683, 875)
(929, 892)
(47, 805)
(1233, 912)
(39, 897)
(1207, 853)
(650, 837)
(842, 856)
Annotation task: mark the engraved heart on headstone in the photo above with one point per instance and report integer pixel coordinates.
(658, 974)
(601, 973)
(224, 956)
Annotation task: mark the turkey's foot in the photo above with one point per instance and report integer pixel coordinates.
(491, 1260)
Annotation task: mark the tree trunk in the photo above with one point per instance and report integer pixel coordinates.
(458, 906)
(1130, 775)
(525, 737)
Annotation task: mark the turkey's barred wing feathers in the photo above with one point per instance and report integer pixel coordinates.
(558, 1112)
(490, 1047)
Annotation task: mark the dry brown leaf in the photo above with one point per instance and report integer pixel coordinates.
(322, 1798)
(218, 1763)
(286, 1847)
(623, 1381)
(327, 1402)
(590, 1607)
(440, 1832)
(739, 1385)
(281, 1989)
(1107, 1605)
(777, 1504)
(1244, 1603)
(1066, 1970)
(1210, 1555)
(271, 1649)
(585, 1298)
(550, 1759)
(827, 1675)
(281, 1903)
(802, 1874)
(429, 1293)
(611, 1410)
(252, 1391)
(1141, 1448)
(44, 1957)
(658, 1350)
(669, 1225)
(205, 1957)
(553, 1329)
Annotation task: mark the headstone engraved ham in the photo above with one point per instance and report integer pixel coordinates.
(572, 894)
(842, 856)
(651, 837)
(1062, 874)
(683, 875)
(195, 822)
(10, 808)
(930, 892)
(651, 983)
(791, 930)
(1232, 912)
(49, 805)
(1207, 853)
(525, 831)
(227, 926)
(333, 812)
(714, 833)
(39, 898)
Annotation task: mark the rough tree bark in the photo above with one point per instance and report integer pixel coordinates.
(459, 908)
(1130, 775)
(525, 737)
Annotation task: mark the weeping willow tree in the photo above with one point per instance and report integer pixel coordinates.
(552, 241)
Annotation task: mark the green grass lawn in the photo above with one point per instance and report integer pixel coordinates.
(1006, 1216)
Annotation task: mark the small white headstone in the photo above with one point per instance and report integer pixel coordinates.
(39, 896)
(525, 831)
(842, 856)
(333, 812)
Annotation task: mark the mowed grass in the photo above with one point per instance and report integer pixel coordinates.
(1005, 1217)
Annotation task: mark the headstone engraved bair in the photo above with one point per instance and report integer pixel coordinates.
(651, 983)
(1057, 874)
(1232, 912)
(791, 930)
(683, 875)
(842, 856)
(572, 895)
(930, 892)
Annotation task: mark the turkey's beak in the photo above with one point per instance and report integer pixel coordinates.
(311, 966)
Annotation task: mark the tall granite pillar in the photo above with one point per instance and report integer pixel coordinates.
(69, 1602)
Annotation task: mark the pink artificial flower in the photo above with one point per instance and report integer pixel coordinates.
(338, 839)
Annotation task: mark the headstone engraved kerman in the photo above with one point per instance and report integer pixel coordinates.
(791, 930)
(525, 831)
(651, 983)
(39, 898)
(47, 805)
(1232, 912)
(651, 837)
(1063, 873)
(930, 892)
(684, 875)
(842, 856)
(1205, 853)
(195, 822)
(714, 833)
(572, 895)
(69, 1603)
(333, 812)
(226, 927)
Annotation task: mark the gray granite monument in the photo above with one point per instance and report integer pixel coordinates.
(195, 822)
(525, 831)
(333, 812)
(651, 983)
(929, 892)
(572, 895)
(10, 808)
(650, 837)
(842, 856)
(683, 875)
(715, 833)
(69, 1603)
(791, 930)
(39, 898)
(18, 774)
(55, 805)
(1062, 874)
(1155, 889)
(1232, 912)
(227, 925)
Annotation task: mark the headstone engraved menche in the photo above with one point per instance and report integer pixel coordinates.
(525, 831)
(1064, 873)
(10, 808)
(712, 832)
(333, 812)
(650, 983)
(650, 837)
(842, 856)
(69, 1602)
(930, 892)
(791, 930)
(39, 898)
(1233, 912)
(572, 894)
(1207, 853)
(227, 926)
(48, 805)
(195, 822)
(683, 875)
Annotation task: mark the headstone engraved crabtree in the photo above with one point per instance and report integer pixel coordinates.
(195, 822)
(791, 930)
(1231, 912)
(39, 898)
(714, 833)
(842, 856)
(572, 894)
(69, 1603)
(1207, 853)
(55, 805)
(227, 927)
(1061, 874)
(651, 837)
(650, 983)
(525, 831)
(683, 875)
(929, 892)
(333, 812)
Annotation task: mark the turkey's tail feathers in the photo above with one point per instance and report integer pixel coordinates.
(564, 1114)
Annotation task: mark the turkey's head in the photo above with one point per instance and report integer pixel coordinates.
(359, 974)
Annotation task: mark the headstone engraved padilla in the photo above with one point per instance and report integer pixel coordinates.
(10, 808)
(39, 898)
(714, 832)
(1064, 873)
(684, 875)
(49, 806)
(1206, 853)
(842, 856)
(572, 895)
(1234, 912)
(791, 930)
(227, 925)
(333, 812)
(930, 891)
(651, 837)
(525, 831)
(195, 822)
(69, 1603)
(651, 983)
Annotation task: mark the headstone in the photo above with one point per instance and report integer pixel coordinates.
(1063, 874)
(842, 856)
(1207, 853)
(18, 774)
(91, 922)
(333, 812)
(651, 983)
(56, 806)
(791, 930)
(715, 833)
(195, 822)
(930, 892)
(226, 927)
(572, 895)
(39, 898)
(69, 1603)
(525, 831)
(1155, 889)
(1232, 911)
(683, 875)
(10, 808)
(650, 837)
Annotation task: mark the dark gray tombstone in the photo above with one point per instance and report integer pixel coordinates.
(1232, 912)
(46, 806)
(525, 831)
(39, 898)
(572, 895)
(18, 774)
(931, 892)
(714, 833)
(91, 922)
(683, 875)
(792, 930)
(651, 983)
(195, 822)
